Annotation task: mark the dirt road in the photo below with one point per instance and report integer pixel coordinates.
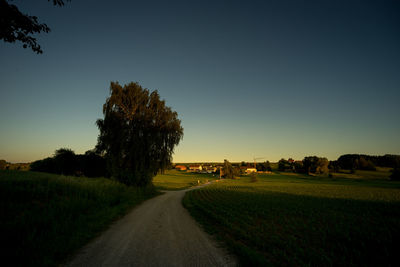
(159, 232)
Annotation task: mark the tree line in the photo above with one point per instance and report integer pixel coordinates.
(66, 162)
(351, 162)
(137, 138)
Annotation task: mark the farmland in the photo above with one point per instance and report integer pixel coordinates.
(177, 180)
(290, 219)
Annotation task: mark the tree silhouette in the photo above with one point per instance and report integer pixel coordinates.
(138, 133)
(65, 161)
(16, 26)
(3, 164)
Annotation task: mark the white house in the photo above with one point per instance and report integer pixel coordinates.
(195, 168)
(250, 170)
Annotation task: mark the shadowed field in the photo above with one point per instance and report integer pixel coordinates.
(289, 219)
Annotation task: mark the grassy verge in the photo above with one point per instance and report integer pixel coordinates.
(45, 217)
(178, 180)
(296, 220)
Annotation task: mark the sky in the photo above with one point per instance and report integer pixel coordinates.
(264, 79)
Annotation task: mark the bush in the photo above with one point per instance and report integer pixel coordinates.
(314, 164)
(3, 164)
(253, 177)
(395, 176)
(283, 165)
(66, 162)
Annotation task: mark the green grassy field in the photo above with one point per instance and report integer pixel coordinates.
(289, 219)
(380, 173)
(46, 217)
(177, 180)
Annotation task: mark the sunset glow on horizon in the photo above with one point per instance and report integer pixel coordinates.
(248, 79)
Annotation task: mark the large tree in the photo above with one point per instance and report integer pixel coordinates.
(314, 164)
(138, 133)
(16, 26)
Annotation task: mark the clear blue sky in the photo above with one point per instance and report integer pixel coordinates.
(248, 79)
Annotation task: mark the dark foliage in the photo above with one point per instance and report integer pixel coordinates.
(229, 171)
(299, 167)
(261, 167)
(314, 164)
(3, 164)
(367, 162)
(395, 176)
(138, 133)
(283, 165)
(334, 166)
(92, 164)
(44, 165)
(66, 162)
(16, 26)
(265, 166)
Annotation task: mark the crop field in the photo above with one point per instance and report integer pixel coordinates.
(289, 219)
(177, 180)
(46, 217)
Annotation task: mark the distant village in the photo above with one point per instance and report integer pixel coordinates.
(210, 168)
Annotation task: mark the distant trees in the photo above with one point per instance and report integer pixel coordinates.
(334, 166)
(263, 166)
(3, 164)
(267, 165)
(138, 133)
(314, 164)
(395, 176)
(63, 162)
(322, 166)
(298, 167)
(229, 171)
(66, 162)
(367, 162)
(16, 26)
(283, 165)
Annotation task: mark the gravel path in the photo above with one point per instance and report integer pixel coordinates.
(159, 232)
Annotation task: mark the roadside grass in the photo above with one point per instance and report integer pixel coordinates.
(178, 180)
(46, 217)
(285, 219)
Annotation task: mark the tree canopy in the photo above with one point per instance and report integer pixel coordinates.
(16, 26)
(3, 164)
(138, 133)
(66, 162)
(316, 164)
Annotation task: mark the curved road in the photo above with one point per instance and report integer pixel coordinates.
(159, 232)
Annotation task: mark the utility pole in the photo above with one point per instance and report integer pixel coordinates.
(255, 163)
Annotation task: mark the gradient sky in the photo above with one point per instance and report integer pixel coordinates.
(248, 79)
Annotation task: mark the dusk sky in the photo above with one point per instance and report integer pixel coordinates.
(270, 79)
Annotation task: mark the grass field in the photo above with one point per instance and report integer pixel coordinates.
(177, 180)
(289, 219)
(380, 173)
(45, 217)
